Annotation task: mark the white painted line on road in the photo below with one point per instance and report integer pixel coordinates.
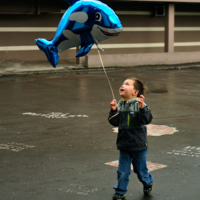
(156, 130)
(15, 146)
(56, 115)
(190, 151)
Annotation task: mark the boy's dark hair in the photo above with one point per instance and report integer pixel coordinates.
(138, 85)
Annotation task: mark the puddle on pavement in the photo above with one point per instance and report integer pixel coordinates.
(158, 88)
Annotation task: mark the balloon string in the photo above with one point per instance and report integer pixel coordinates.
(106, 73)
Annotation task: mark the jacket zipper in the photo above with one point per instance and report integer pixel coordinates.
(128, 120)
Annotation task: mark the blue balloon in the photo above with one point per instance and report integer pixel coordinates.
(86, 22)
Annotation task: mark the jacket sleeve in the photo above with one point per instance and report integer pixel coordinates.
(145, 116)
(113, 117)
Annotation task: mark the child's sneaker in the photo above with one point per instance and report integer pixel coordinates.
(147, 189)
(118, 196)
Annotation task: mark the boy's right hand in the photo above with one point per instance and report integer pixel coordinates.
(113, 104)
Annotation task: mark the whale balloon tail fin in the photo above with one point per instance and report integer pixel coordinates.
(49, 49)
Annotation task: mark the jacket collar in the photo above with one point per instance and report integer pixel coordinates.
(130, 100)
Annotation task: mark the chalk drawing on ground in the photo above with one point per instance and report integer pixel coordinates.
(15, 146)
(156, 130)
(151, 166)
(79, 189)
(56, 115)
(190, 151)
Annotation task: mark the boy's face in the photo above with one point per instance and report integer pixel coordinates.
(127, 90)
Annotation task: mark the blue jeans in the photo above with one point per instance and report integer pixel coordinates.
(138, 159)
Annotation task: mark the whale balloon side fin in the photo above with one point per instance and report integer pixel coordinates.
(49, 49)
(84, 50)
(71, 2)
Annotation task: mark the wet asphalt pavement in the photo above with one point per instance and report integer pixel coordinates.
(55, 137)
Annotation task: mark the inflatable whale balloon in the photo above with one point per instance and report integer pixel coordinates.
(86, 22)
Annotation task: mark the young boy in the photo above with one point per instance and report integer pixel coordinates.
(131, 115)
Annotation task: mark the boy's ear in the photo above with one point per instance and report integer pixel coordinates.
(135, 93)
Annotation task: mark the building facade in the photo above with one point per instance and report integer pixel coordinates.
(154, 32)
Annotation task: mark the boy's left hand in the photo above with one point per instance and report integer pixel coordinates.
(141, 101)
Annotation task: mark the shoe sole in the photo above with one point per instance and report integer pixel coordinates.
(146, 194)
(123, 198)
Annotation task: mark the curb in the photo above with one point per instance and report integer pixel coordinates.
(81, 69)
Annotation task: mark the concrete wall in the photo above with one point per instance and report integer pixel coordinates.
(18, 34)
(139, 59)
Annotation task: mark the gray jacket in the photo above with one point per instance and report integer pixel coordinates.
(131, 121)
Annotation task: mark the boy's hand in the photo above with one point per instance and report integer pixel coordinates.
(141, 101)
(113, 104)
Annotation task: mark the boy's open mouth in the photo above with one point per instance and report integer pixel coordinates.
(121, 90)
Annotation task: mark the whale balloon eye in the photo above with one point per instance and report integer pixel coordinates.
(98, 16)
